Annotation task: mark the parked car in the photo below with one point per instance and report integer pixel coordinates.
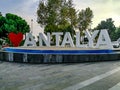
(115, 44)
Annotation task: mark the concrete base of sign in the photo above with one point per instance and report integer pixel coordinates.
(57, 55)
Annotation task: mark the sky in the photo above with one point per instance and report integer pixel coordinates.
(102, 9)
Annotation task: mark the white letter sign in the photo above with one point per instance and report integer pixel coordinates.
(30, 40)
(46, 39)
(57, 36)
(104, 39)
(67, 39)
(91, 38)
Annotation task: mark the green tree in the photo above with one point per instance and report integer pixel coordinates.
(107, 24)
(3, 32)
(117, 33)
(84, 20)
(61, 16)
(15, 24)
(72, 16)
(12, 23)
(57, 15)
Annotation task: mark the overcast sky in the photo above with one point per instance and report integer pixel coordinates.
(102, 9)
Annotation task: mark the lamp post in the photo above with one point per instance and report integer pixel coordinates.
(31, 25)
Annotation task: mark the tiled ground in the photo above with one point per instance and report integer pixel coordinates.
(19, 76)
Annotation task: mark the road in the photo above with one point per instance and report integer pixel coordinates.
(82, 76)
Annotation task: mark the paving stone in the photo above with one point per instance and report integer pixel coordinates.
(19, 76)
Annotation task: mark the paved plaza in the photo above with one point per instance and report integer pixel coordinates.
(82, 76)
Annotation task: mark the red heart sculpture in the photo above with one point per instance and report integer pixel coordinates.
(15, 38)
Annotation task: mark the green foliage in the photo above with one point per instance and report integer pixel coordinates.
(42, 14)
(85, 19)
(0, 14)
(12, 23)
(4, 41)
(3, 32)
(51, 28)
(116, 35)
(108, 24)
(16, 24)
(57, 15)
(61, 16)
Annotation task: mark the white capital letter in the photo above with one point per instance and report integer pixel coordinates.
(67, 39)
(30, 40)
(57, 36)
(78, 41)
(104, 39)
(91, 38)
(46, 39)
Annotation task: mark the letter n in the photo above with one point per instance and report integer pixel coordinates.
(46, 39)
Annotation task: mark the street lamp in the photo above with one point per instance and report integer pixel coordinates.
(31, 25)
